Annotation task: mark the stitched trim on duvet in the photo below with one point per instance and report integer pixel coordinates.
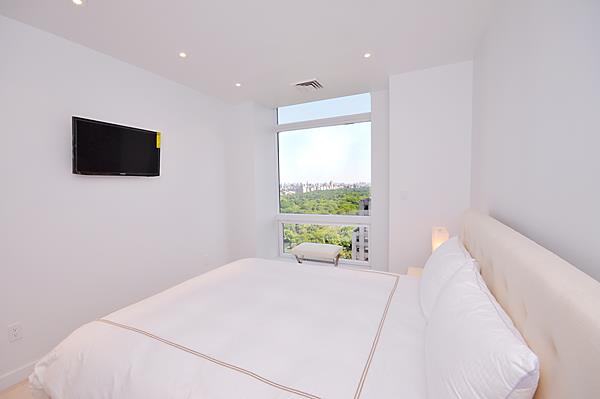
(361, 382)
(211, 359)
(363, 377)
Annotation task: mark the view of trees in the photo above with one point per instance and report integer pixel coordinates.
(344, 201)
(294, 234)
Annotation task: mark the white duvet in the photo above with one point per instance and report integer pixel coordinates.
(251, 329)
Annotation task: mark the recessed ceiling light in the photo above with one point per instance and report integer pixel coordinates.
(182, 55)
(367, 55)
(78, 2)
(238, 85)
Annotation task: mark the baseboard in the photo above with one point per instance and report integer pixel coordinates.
(14, 377)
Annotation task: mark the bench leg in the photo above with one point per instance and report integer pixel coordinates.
(299, 259)
(336, 261)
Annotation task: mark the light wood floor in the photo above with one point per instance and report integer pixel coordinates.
(19, 391)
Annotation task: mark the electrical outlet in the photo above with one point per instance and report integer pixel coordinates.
(15, 332)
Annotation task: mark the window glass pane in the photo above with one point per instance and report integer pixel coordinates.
(340, 106)
(354, 239)
(326, 170)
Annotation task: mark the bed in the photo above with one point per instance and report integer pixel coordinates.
(554, 305)
(268, 329)
(254, 328)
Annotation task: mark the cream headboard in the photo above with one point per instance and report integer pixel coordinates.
(555, 306)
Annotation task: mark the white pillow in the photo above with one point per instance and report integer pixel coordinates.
(472, 349)
(443, 263)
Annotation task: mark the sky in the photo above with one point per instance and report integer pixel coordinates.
(335, 153)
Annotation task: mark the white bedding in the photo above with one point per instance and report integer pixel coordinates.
(251, 329)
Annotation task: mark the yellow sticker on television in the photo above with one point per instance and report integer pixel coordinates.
(157, 139)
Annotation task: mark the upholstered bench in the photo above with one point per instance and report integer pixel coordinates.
(315, 251)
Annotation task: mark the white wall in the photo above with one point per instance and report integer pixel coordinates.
(252, 182)
(380, 166)
(73, 248)
(430, 151)
(536, 127)
(241, 201)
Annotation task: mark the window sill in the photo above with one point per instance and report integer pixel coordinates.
(344, 263)
(323, 219)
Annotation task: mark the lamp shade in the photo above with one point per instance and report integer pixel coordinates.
(439, 235)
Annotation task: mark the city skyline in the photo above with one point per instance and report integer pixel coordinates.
(297, 188)
(325, 182)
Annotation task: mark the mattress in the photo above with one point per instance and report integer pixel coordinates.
(254, 328)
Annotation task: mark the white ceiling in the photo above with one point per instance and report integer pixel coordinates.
(268, 44)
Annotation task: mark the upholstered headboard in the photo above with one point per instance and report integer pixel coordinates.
(555, 306)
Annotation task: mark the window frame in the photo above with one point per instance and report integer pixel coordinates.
(335, 220)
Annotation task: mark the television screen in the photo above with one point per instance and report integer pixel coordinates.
(101, 148)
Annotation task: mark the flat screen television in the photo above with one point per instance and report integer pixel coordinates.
(101, 148)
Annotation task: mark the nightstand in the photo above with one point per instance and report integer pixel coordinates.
(414, 271)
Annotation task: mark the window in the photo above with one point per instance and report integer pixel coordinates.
(325, 175)
(353, 239)
(325, 170)
(350, 105)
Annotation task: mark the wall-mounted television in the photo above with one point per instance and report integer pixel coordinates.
(101, 148)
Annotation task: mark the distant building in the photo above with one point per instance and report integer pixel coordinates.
(364, 207)
(360, 235)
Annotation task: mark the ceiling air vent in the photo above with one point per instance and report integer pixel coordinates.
(309, 85)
